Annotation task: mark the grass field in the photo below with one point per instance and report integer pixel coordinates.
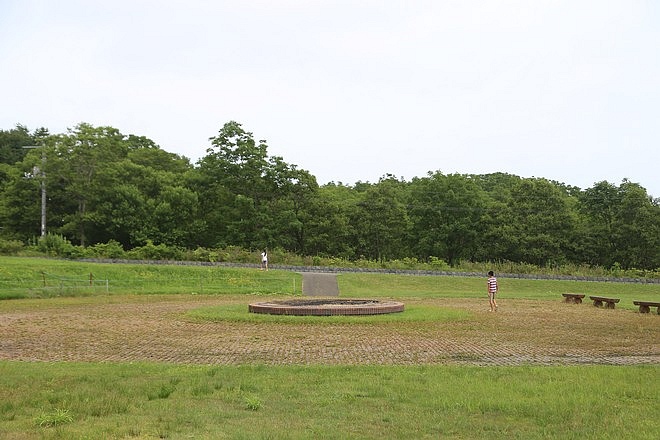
(329, 402)
(404, 286)
(44, 278)
(74, 364)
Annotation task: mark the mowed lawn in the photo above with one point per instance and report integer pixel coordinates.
(260, 399)
(407, 286)
(81, 400)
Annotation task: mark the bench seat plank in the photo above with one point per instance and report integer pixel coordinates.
(574, 298)
(609, 302)
(645, 306)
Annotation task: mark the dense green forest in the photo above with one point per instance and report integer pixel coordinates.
(106, 187)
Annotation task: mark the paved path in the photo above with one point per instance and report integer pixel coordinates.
(139, 328)
(143, 328)
(320, 284)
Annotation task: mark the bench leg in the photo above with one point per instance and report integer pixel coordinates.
(610, 305)
(644, 309)
(578, 300)
(598, 303)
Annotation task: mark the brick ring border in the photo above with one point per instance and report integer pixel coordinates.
(327, 307)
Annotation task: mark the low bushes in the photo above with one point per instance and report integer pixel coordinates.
(58, 246)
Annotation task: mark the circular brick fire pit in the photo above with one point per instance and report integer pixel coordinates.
(326, 307)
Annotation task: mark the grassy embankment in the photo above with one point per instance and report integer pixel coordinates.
(38, 278)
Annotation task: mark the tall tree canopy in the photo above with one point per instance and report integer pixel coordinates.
(251, 199)
(447, 213)
(103, 185)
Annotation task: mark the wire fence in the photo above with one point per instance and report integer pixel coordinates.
(49, 284)
(52, 285)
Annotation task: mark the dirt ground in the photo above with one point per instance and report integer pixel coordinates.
(156, 329)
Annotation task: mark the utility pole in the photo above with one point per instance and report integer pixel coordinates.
(43, 186)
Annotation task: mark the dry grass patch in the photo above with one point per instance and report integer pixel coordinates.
(157, 328)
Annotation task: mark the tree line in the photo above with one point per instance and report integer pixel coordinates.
(103, 186)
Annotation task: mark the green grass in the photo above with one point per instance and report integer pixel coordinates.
(412, 313)
(406, 286)
(44, 278)
(24, 278)
(121, 400)
(77, 401)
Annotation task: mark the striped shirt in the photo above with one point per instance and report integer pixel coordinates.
(492, 285)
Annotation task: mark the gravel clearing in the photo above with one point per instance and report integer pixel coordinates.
(156, 329)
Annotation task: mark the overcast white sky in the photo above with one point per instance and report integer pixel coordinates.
(353, 89)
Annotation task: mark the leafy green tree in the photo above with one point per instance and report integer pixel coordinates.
(250, 199)
(123, 214)
(381, 223)
(21, 189)
(636, 230)
(329, 230)
(542, 222)
(20, 181)
(20, 202)
(620, 226)
(143, 151)
(12, 143)
(446, 213)
(232, 187)
(104, 186)
(294, 193)
(598, 213)
(76, 161)
(500, 238)
(175, 215)
(138, 203)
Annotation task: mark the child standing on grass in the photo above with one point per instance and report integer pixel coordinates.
(264, 260)
(492, 290)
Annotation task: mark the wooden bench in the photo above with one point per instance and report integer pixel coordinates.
(645, 306)
(599, 300)
(574, 298)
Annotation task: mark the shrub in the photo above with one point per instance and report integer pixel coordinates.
(150, 251)
(252, 403)
(10, 247)
(202, 254)
(55, 418)
(438, 263)
(111, 249)
(55, 245)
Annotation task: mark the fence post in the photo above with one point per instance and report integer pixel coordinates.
(91, 279)
(43, 277)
